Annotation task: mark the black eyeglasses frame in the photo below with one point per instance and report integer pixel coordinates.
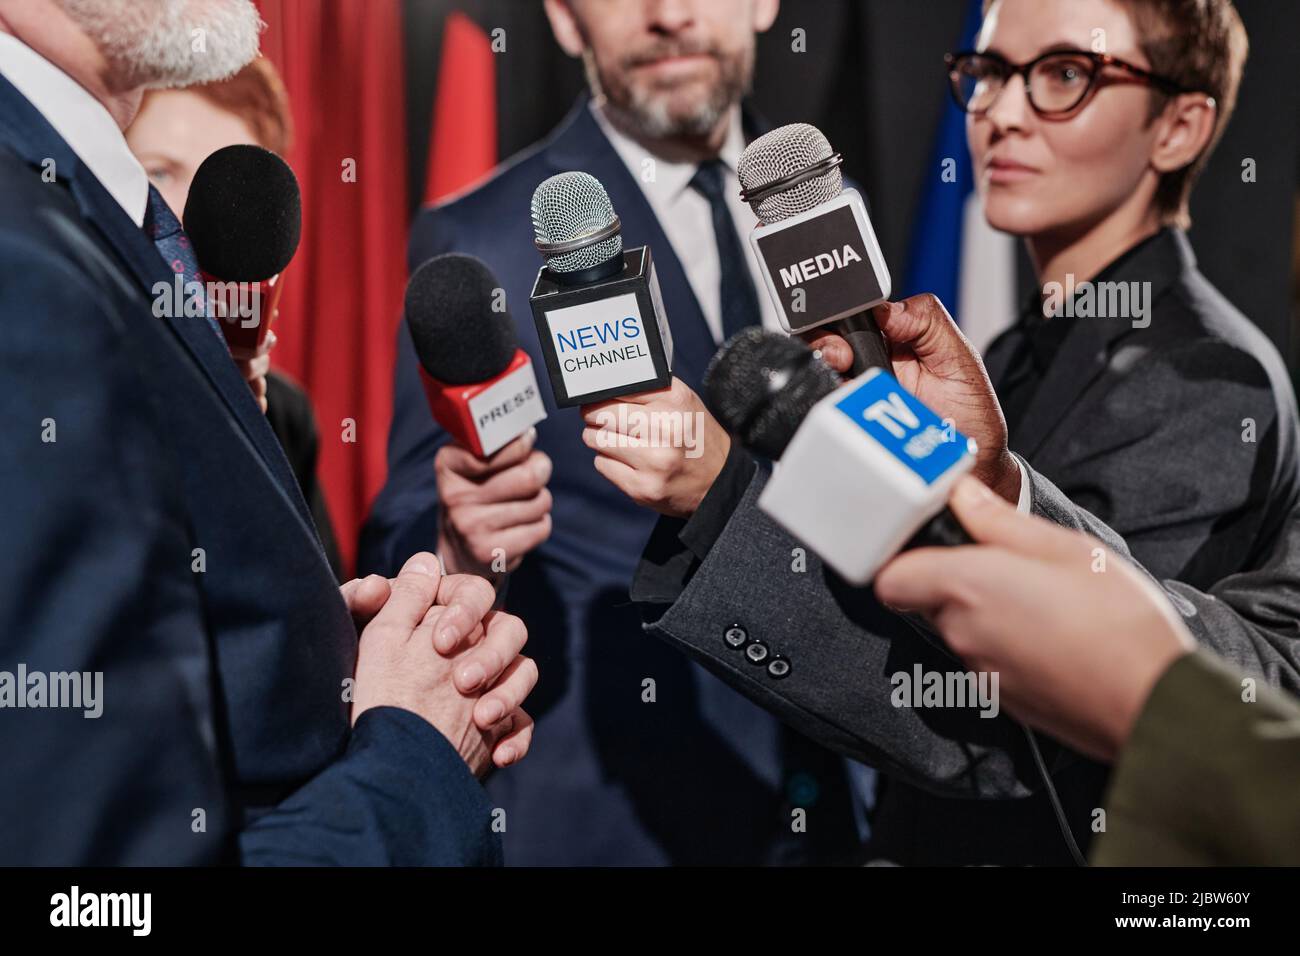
(1023, 70)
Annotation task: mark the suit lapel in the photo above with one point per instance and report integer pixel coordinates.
(997, 356)
(1086, 350)
(194, 333)
(1081, 359)
(27, 133)
(581, 145)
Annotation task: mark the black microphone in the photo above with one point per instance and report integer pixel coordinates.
(865, 468)
(821, 262)
(243, 216)
(599, 313)
(479, 382)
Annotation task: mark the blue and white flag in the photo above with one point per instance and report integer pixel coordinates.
(955, 254)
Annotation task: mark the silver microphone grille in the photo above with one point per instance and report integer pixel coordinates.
(568, 207)
(788, 151)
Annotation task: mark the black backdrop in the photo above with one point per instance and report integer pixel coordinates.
(872, 79)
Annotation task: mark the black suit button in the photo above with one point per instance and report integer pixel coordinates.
(756, 652)
(736, 636)
(778, 667)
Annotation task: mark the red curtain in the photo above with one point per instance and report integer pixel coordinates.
(463, 137)
(342, 64)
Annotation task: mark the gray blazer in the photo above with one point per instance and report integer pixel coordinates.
(1136, 436)
(842, 646)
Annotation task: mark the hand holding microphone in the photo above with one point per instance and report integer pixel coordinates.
(1077, 649)
(255, 364)
(933, 360)
(493, 511)
(608, 347)
(662, 449)
(494, 505)
(827, 277)
(863, 466)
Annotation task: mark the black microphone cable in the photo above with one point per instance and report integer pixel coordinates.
(1053, 797)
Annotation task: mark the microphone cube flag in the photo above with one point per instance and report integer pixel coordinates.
(887, 463)
(605, 338)
(479, 383)
(487, 416)
(244, 308)
(823, 264)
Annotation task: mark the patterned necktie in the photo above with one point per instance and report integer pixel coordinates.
(739, 301)
(162, 226)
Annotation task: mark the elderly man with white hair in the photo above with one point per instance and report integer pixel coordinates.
(157, 548)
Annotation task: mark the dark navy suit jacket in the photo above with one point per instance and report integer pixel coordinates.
(160, 539)
(697, 775)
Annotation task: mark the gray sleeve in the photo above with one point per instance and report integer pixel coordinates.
(759, 597)
(1251, 619)
(1049, 502)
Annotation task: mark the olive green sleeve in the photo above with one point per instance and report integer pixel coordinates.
(1210, 774)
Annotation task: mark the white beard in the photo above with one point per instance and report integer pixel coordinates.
(165, 43)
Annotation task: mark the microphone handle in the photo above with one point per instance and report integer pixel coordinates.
(943, 530)
(866, 340)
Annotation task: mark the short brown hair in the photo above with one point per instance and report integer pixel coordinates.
(1201, 45)
(256, 95)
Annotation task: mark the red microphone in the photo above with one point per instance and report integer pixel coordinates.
(243, 217)
(480, 385)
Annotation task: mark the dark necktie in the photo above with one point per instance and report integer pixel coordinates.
(739, 301)
(162, 226)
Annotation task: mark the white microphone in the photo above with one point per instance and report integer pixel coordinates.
(820, 258)
(599, 313)
(863, 465)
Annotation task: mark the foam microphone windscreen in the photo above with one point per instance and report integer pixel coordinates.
(244, 214)
(761, 385)
(462, 335)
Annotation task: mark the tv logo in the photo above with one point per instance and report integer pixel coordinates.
(605, 338)
(900, 424)
(892, 414)
(822, 264)
(507, 406)
(600, 345)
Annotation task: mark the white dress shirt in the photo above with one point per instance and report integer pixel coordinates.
(687, 221)
(83, 122)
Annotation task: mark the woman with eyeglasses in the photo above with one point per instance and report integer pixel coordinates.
(1132, 390)
(1080, 144)
(1130, 381)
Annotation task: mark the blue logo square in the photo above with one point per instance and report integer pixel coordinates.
(904, 427)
